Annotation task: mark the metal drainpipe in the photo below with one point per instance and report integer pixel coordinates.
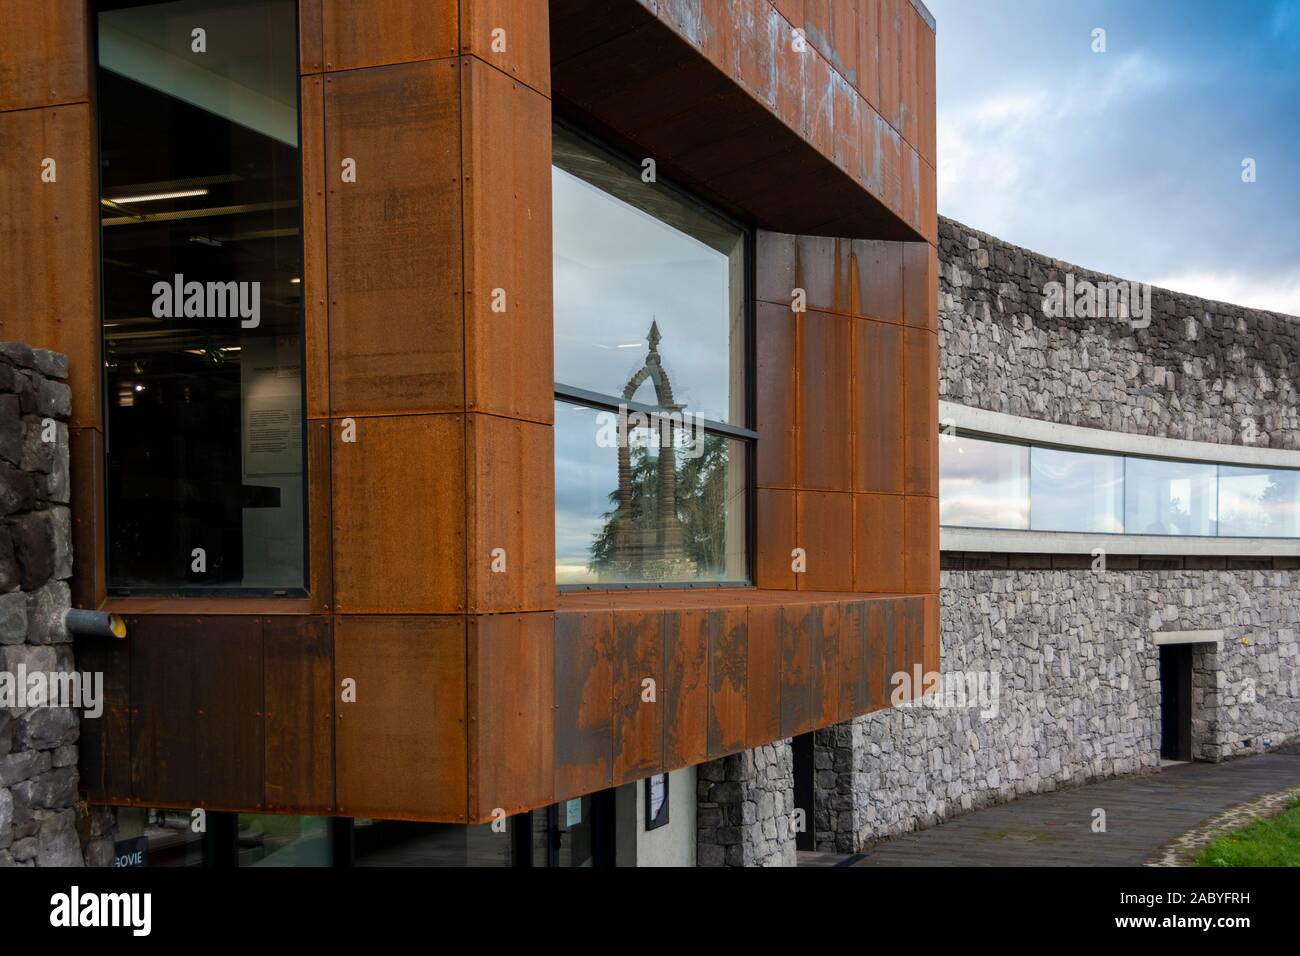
(94, 623)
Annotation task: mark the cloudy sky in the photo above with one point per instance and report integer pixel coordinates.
(1129, 161)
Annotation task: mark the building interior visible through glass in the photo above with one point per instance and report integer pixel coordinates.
(204, 390)
(649, 309)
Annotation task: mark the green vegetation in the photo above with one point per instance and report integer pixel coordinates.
(1270, 842)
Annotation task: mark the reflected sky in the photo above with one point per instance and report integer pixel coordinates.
(1254, 502)
(1076, 491)
(617, 269)
(983, 484)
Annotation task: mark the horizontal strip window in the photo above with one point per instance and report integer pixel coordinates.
(1003, 485)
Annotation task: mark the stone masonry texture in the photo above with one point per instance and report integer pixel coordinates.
(39, 819)
(744, 808)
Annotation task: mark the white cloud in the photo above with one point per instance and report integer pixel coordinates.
(1277, 294)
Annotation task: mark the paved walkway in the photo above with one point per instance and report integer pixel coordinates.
(1054, 829)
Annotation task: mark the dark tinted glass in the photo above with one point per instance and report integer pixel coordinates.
(198, 114)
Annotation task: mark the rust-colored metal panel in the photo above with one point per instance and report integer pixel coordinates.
(320, 517)
(908, 87)
(685, 691)
(105, 744)
(511, 708)
(775, 257)
(86, 471)
(879, 543)
(891, 25)
(825, 522)
(926, 93)
(847, 105)
(756, 38)
(792, 10)
(638, 722)
(931, 654)
(511, 513)
(801, 644)
(197, 727)
(311, 43)
(877, 406)
(727, 681)
(775, 539)
(44, 55)
(791, 75)
(399, 515)
(929, 205)
(510, 36)
(878, 268)
(819, 103)
(825, 433)
(763, 674)
(506, 149)
(881, 622)
(777, 395)
(49, 278)
(854, 693)
(394, 238)
(827, 668)
(921, 412)
(920, 285)
(380, 32)
(911, 208)
(642, 86)
(832, 27)
(315, 272)
(298, 674)
(822, 271)
(400, 747)
(913, 638)
(921, 556)
(889, 159)
(584, 691)
(869, 51)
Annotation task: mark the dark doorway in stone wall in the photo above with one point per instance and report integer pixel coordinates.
(1176, 702)
(805, 799)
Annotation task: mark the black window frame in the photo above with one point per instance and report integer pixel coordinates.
(745, 433)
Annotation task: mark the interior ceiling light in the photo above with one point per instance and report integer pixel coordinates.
(152, 197)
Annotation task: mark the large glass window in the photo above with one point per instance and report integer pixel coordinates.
(651, 437)
(1076, 491)
(983, 484)
(1259, 502)
(986, 483)
(1169, 497)
(202, 267)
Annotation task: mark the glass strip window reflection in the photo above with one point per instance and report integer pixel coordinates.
(202, 293)
(999, 485)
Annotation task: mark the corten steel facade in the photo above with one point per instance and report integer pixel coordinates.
(479, 690)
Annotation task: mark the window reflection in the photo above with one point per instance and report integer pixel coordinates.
(1076, 491)
(1257, 502)
(628, 253)
(662, 514)
(983, 484)
(267, 839)
(1169, 497)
